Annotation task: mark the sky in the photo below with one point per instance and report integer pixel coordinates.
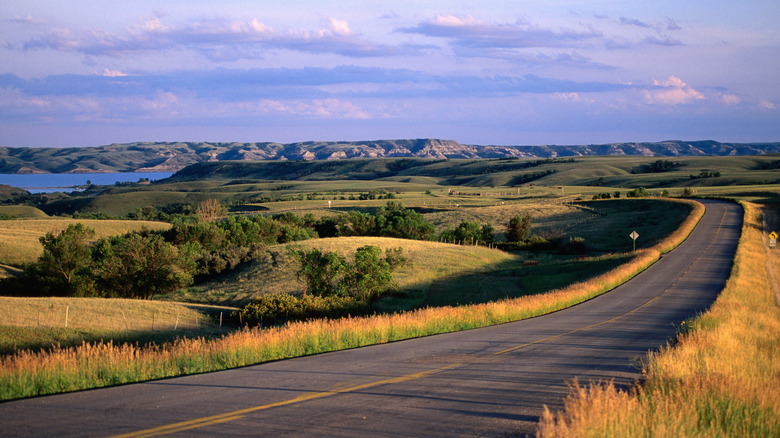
(85, 73)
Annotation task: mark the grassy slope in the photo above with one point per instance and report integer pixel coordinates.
(462, 270)
(719, 380)
(35, 323)
(19, 238)
(21, 211)
(275, 273)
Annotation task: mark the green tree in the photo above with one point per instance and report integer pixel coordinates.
(487, 234)
(328, 274)
(137, 266)
(64, 265)
(394, 220)
(519, 228)
(320, 272)
(369, 276)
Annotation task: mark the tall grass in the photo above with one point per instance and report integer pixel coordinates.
(27, 373)
(720, 379)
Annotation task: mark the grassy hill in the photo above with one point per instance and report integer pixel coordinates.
(19, 238)
(21, 211)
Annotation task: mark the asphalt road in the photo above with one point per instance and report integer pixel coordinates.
(486, 382)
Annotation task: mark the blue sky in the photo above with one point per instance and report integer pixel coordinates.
(84, 73)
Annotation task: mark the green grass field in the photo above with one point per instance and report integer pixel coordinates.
(21, 211)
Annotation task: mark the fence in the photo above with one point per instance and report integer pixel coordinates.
(118, 317)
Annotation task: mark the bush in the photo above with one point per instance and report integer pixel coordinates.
(577, 245)
(329, 274)
(641, 192)
(519, 228)
(278, 309)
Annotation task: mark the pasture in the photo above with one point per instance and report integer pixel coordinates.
(19, 239)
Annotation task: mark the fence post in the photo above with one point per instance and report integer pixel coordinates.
(154, 314)
(125, 319)
(220, 319)
(176, 324)
(67, 308)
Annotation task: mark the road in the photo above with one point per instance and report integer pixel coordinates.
(486, 382)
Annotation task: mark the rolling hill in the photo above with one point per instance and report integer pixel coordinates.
(174, 156)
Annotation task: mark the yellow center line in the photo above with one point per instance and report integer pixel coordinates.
(550, 338)
(229, 416)
(234, 415)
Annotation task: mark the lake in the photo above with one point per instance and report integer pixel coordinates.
(59, 182)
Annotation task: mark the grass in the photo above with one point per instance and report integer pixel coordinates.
(25, 374)
(720, 379)
(37, 323)
(274, 273)
(21, 211)
(241, 185)
(440, 274)
(19, 238)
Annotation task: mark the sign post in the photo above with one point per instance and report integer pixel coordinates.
(772, 239)
(633, 236)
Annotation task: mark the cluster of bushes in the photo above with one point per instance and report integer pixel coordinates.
(706, 174)
(373, 194)
(392, 220)
(469, 233)
(143, 264)
(606, 195)
(659, 166)
(640, 192)
(136, 265)
(272, 310)
(334, 287)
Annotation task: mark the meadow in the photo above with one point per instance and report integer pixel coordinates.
(19, 242)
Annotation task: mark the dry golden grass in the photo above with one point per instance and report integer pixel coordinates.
(100, 313)
(19, 238)
(721, 379)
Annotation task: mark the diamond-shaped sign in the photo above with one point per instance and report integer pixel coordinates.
(633, 235)
(773, 235)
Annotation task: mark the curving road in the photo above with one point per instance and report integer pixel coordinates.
(486, 382)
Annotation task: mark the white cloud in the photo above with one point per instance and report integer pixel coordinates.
(672, 91)
(765, 104)
(113, 73)
(240, 39)
(340, 27)
(730, 99)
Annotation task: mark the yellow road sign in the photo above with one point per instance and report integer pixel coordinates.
(773, 235)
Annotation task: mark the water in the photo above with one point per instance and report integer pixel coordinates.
(66, 182)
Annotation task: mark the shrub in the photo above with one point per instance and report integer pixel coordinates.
(640, 192)
(519, 228)
(577, 244)
(329, 274)
(278, 309)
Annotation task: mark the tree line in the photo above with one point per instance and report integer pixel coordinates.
(146, 263)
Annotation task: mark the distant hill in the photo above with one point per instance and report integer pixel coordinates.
(171, 157)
